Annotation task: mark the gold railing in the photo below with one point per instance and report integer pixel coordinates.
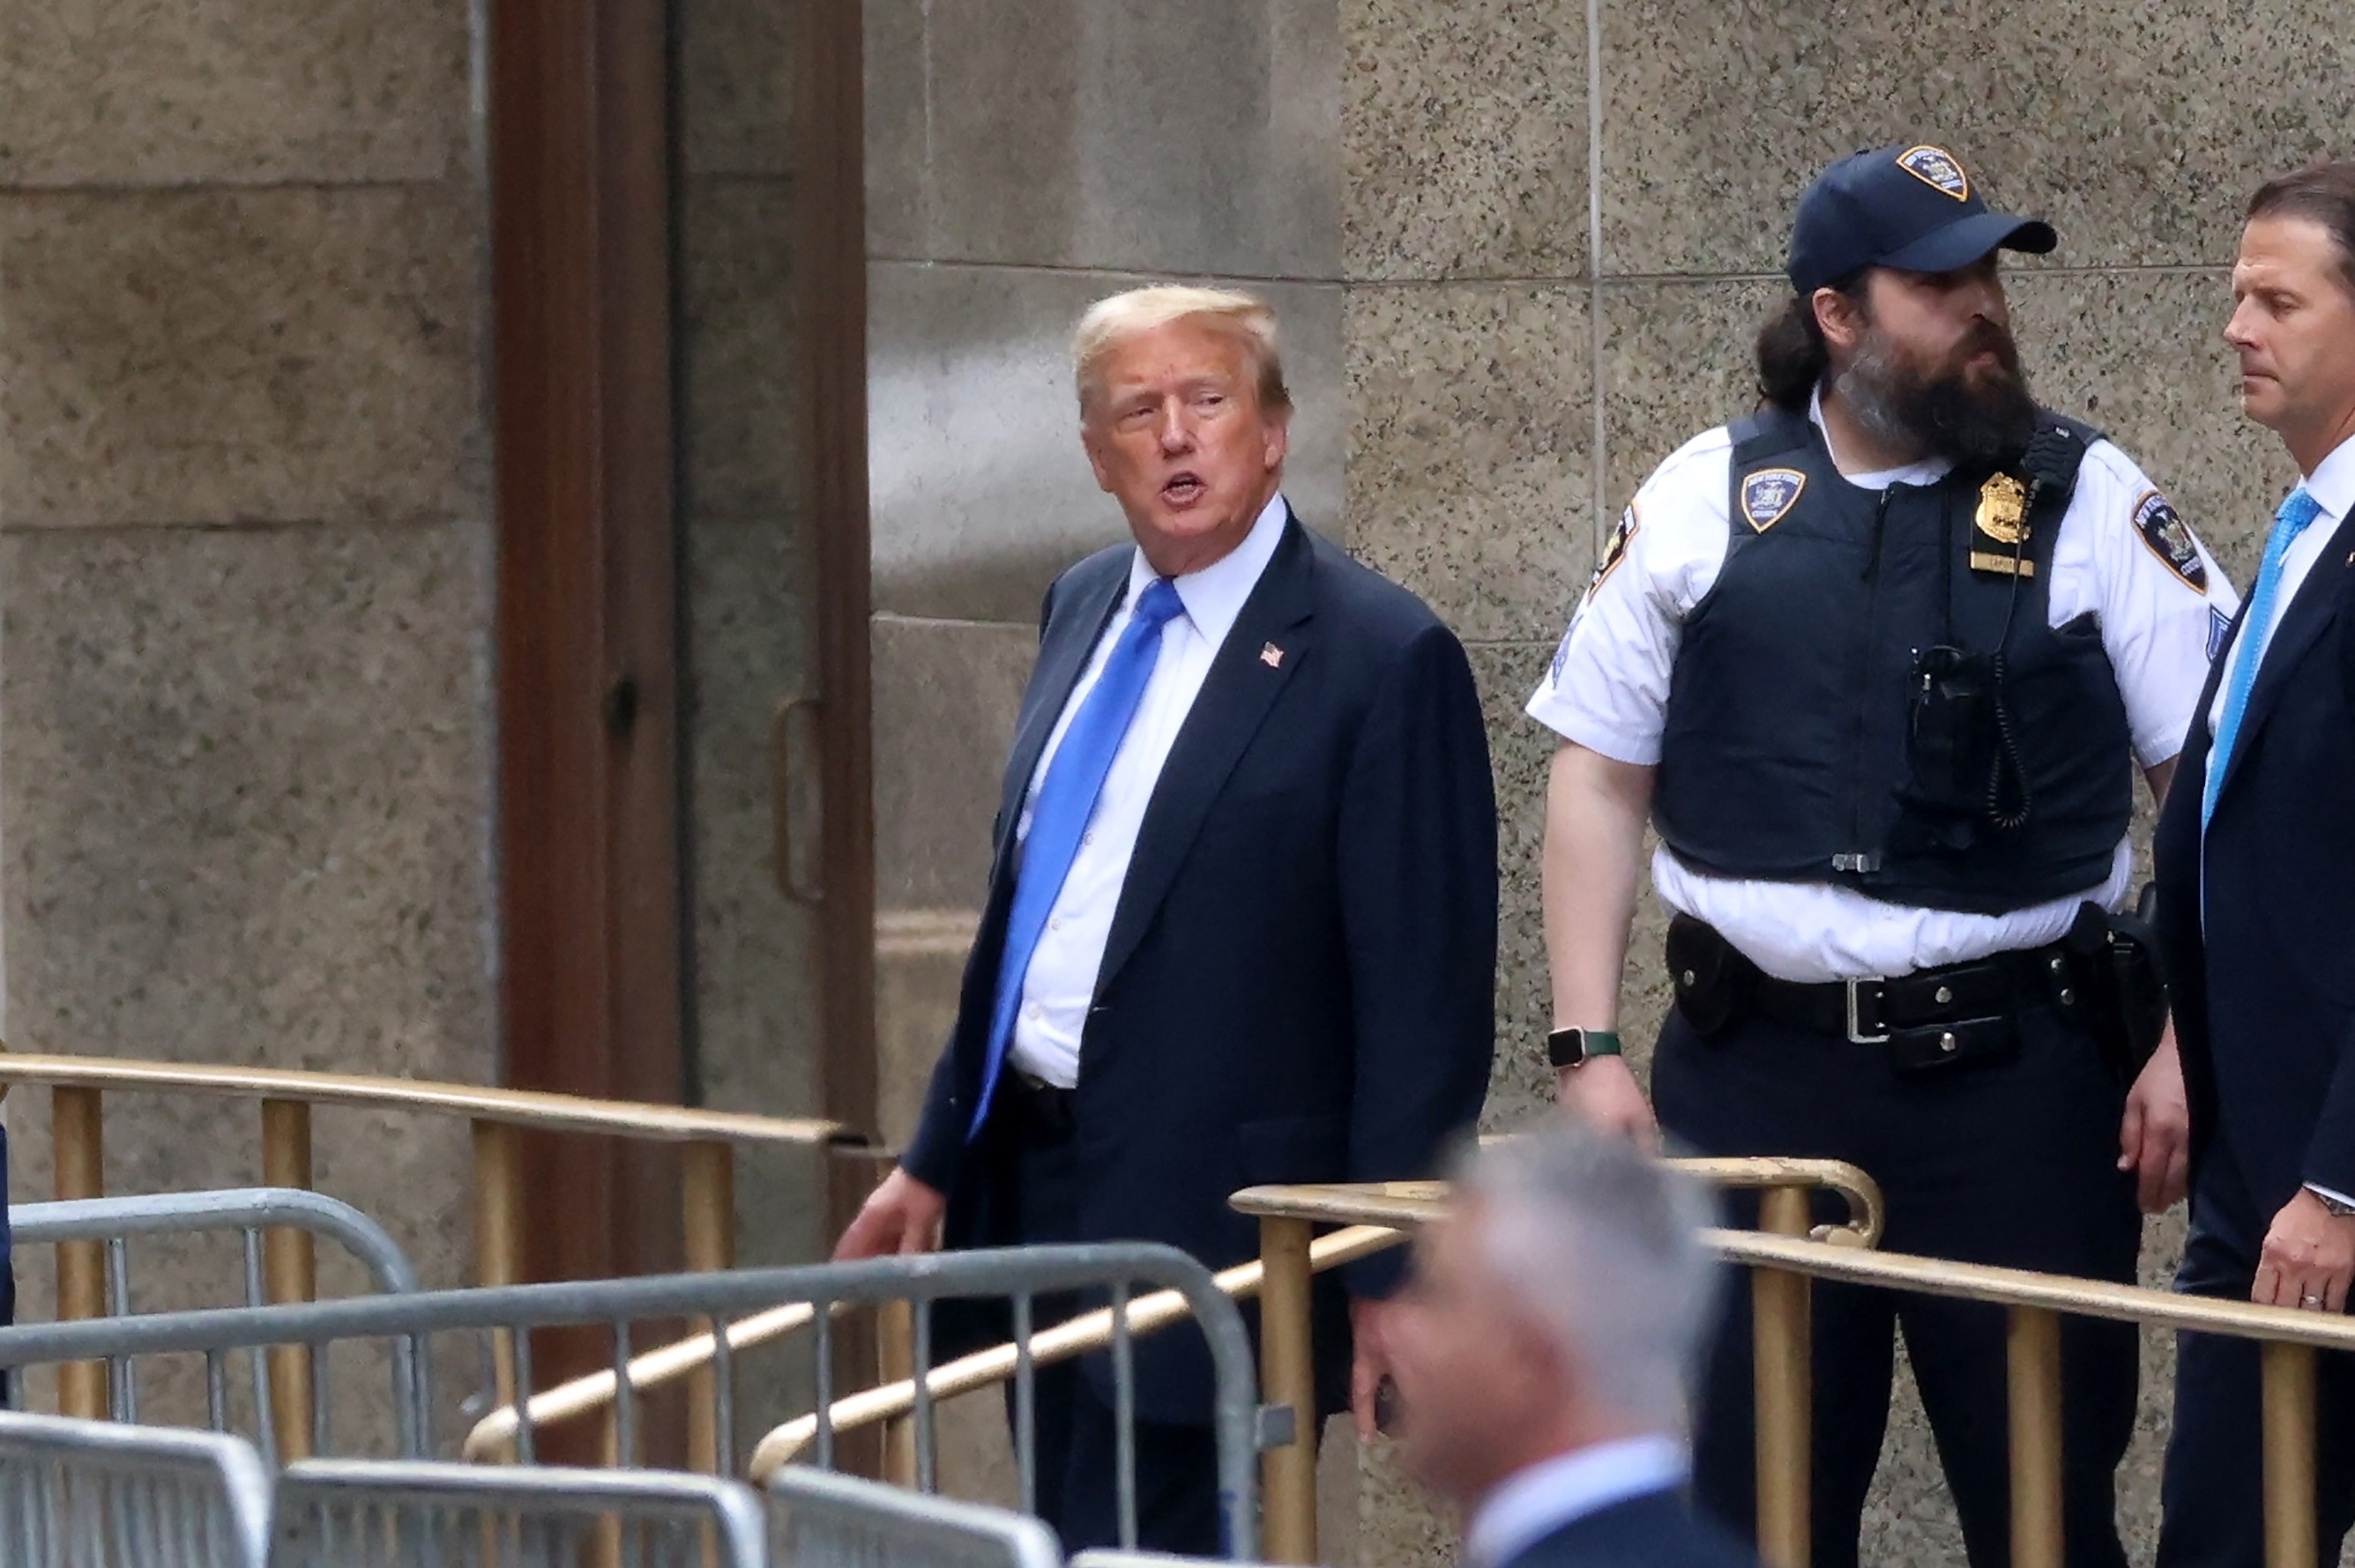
(78, 1087)
(890, 1404)
(1783, 1267)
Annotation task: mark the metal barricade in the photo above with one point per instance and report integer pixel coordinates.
(408, 1514)
(823, 1520)
(92, 1494)
(500, 1320)
(1105, 1557)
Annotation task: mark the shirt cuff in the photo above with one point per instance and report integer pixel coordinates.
(2320, 1190)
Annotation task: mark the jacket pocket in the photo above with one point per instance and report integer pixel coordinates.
(1292, 1149)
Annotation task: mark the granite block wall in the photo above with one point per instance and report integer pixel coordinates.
(245, 569)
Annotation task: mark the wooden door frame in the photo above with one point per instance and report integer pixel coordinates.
(595, 966)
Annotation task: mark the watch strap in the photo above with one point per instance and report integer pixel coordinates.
(1575, 1047)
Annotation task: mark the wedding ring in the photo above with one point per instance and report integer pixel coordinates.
(2310, 1300)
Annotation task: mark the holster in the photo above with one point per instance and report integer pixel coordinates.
(2120, 988)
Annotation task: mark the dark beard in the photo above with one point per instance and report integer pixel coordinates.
(1943, 415)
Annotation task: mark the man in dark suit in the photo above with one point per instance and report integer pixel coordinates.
(1241, 917)
(2256, 858)
(1543, 1348)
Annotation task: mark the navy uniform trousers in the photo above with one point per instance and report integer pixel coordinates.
(2010, 1163)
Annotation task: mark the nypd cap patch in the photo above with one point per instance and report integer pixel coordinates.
(1938, 169)
(2169, 539)
(1768, 495)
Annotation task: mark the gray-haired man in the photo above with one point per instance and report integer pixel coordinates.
(1543, 1352)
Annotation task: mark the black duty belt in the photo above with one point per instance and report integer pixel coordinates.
(1952, 1014)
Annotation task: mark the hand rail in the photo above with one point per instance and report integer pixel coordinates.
(1785, 1262)
(498, 1117)
(891, 1401)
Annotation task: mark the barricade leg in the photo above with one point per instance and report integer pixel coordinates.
(290, 1271)
(2290, 1528)
(710, 1193)
(1781, 1365)
(79, 1158)
(498, 1238)
(1288, 1376)
(2033, 1341)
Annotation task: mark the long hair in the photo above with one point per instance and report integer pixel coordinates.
(1793, 357)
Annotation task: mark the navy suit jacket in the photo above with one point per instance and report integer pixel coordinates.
(2264, 988)
(1658, 1530)
(1299, 984)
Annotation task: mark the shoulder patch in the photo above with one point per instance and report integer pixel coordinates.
(1938, 169)
(2166, 538)
(2219, 631)
(1614, 549)
(1768, 495)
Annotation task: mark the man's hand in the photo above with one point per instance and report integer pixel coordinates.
(1604, 1091)
(1368, 1363)
(902, 1215)
(2155, 1137)
(2308, 1260)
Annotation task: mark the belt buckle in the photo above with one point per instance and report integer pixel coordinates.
(1855, 1025)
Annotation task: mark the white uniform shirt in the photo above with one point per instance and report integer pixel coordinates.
(2332, 486)
(1062, 981)
(1533, 1503)
(1608, 691)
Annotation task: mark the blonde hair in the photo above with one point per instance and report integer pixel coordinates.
(1109, 323)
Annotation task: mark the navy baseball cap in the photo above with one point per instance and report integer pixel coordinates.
(1911, 207)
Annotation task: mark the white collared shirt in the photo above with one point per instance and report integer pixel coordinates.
(1532, 1503)
(1608, 691)
(2332, 486)
(1062, 981)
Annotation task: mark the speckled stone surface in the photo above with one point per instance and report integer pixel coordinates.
(739, 72)
(241, 356)
(1464, 126)
(1677, 359)
(945, 696)
(173, 92)
(2139, 132)
(1200, 138)
(1470, 440)
(247, 798)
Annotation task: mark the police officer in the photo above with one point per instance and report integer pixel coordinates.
(1876, 661)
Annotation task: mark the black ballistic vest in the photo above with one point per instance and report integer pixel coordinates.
(1786, 751)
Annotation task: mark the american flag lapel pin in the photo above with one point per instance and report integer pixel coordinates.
(1270, 655)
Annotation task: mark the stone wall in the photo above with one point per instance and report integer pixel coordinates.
(245, 574)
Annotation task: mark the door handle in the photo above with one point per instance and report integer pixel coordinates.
(782, 730)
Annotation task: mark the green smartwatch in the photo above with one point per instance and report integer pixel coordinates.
(1577, 1047)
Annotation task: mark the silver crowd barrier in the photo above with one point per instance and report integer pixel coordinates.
(825, 1520)
(1107, 1557)
(411, 1514)
(93, 1494)
(500, 1321)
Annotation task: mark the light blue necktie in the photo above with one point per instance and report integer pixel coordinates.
(1066, 799)
(2295, 513)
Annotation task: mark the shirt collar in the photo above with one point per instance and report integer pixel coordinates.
(1214, 596)
(1928, 471)
(1532, 1503)
(2332, 483)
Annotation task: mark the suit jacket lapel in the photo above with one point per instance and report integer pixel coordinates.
(2308, 615)
(1063, 658)
(1235, 696)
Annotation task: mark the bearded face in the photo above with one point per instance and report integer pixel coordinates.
(1968, 403)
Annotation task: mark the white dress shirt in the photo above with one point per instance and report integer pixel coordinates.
(1533, 1503)
(1608, 691)
(1062, 981)
(2332, 486)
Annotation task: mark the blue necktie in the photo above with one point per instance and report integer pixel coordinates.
(2295, 513)
(1066, 799)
